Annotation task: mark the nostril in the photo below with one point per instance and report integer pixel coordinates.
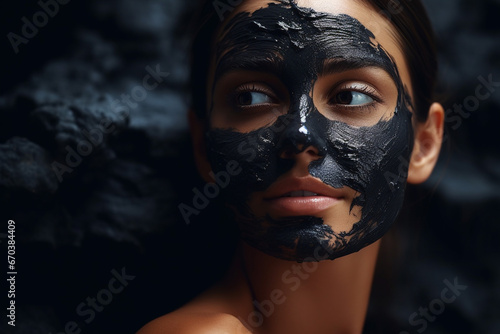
(288, 153)
(291, 152)
(312, 150)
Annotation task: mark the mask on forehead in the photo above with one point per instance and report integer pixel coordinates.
(295, 44)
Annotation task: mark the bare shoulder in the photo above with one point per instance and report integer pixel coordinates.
(180, 322)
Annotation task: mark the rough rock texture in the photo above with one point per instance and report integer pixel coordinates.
(94, 158)
(93, 166)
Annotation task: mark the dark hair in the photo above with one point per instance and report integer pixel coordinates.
(416, 38)
(408, 17)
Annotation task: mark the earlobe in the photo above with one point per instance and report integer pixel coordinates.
(427, 145)
(198, 128)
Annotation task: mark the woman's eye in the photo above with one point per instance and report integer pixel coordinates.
(253, 98)
(352, 98)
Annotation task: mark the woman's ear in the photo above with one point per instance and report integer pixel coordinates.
(428, 140)
(198, 129)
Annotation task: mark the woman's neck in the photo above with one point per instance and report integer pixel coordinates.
(311, 297)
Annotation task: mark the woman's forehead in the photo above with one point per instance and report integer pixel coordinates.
(384, 33)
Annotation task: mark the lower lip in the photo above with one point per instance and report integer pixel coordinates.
(303, 206)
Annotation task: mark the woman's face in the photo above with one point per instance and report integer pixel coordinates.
(312, 101)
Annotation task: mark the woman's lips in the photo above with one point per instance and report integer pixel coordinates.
(299, 206)
(303, 196)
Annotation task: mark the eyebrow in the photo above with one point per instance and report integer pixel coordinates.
(339, 65)
(228, 64)
(275, 66)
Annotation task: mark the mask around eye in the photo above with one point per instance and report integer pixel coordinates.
(359, 166)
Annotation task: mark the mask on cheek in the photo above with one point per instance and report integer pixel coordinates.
(368, 159)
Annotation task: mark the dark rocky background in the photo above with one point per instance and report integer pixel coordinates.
(117, 208)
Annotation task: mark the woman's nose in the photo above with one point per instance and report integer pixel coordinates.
(300, 151)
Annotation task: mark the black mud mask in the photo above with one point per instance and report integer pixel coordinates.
(294, 43)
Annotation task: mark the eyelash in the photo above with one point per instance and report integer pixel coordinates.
(251, 87)
(364, 89)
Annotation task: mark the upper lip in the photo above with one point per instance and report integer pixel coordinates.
(307, 183)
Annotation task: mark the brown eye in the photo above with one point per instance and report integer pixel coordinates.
(253, 98)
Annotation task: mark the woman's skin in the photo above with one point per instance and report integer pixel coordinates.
(312, 297)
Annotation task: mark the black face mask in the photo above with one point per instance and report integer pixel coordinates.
(293, 43)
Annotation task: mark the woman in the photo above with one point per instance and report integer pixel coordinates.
(317, 113)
